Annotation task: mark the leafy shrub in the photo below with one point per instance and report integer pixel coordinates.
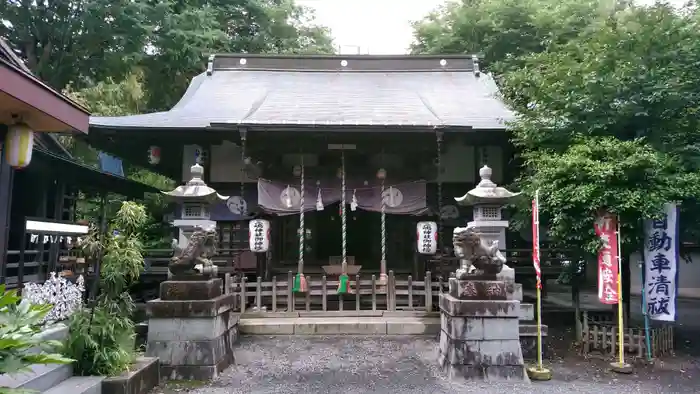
(102, 338)
(20, 329)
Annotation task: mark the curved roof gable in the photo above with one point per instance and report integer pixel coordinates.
(332, 90)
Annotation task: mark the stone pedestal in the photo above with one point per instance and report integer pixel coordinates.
(480, 337)
(192, 328)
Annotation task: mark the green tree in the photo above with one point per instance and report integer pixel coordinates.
(101, 338)
(110, 98)
(610, 121)
(187, 31)
(86, 41)
(76, 40)
(503, 30)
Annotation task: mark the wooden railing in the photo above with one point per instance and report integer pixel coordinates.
(367, 293)
(156, 262)
(600, 333)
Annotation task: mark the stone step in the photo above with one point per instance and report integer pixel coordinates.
(353, 326)
(527, 312)
(39, 377)
(78, 385)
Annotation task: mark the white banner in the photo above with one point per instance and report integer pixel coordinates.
(661, 256)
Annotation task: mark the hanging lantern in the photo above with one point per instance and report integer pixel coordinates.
(381, 174)
(154, 155)
(296, 171)
(319, 199)
(427, 237)
(259, 235)
(19, 144)
(353, 202)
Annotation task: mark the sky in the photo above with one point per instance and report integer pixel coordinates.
(377, 27)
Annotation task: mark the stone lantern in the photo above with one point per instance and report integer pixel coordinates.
(488, 199)
(193, 325)
(482, 307)
(194, 199)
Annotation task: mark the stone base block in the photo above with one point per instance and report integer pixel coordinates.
(479, 328)
(194, 372)
(488, 373)
(189, 352)
(471, 289)
(160, 308)
(478, 308)
(480, 352)
(528, 344)
(190, 290)
(193, 339)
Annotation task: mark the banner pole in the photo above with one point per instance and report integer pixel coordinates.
(539, 372)
(620, 366)
(644, 311)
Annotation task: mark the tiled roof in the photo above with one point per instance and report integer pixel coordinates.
(316, 91)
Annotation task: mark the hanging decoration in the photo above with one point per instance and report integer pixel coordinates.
(319, 199)
(392, 197)
(343, 280)
(200, 155)
(439, 136)
(300, 281)
(19, 144)
(65, 297)
(243, 205)
(353, 202)
(153, 155)
(259, 235)
(237, 205)
(36, 239)
(290, 196)
(427, 237)
(381, 175)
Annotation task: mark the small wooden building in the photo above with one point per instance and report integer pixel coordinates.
(256, 120)
(47, 188)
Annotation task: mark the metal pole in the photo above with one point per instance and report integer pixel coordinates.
(620, 317)
(644, 310)
(539, 284)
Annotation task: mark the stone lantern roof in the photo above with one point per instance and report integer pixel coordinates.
(487, 192)
(195, 189)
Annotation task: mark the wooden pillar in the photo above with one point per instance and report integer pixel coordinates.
(57, 215)
(6, 183)
(41, 213)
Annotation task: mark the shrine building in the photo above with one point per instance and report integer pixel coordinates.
(396, 138)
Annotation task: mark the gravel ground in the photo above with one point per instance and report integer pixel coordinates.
(316, 365)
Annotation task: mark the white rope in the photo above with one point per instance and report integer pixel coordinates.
(439, 188)
(383, 216)
(343, 219)
(243, 146)
(302, 228)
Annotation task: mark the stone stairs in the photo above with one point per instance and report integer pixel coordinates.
(53, 378)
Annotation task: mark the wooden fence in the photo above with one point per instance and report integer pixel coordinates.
(372, 294)
(600, 333)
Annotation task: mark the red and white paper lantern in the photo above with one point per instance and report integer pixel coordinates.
(259, 235)
(427, 237)
(154, 155)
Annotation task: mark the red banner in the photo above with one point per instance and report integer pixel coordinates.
(606, 229)
(536, 240)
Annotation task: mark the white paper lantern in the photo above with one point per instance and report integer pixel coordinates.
(427, 237)
(19, 144)
(259, 235)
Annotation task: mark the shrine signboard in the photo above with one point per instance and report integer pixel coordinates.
(661, 256)
(606, 229)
